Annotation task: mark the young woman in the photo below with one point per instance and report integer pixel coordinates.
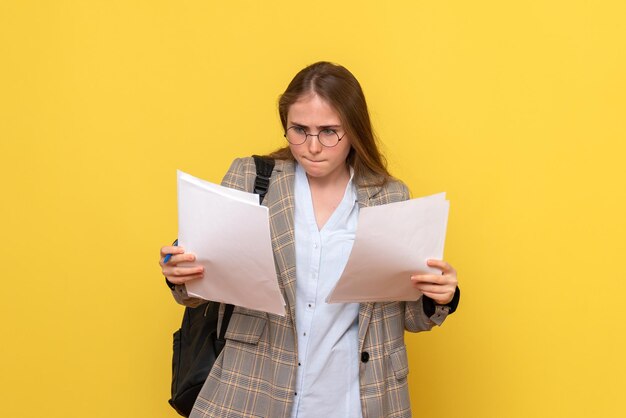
(320, 360)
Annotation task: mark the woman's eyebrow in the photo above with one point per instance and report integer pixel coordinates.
(302, 125)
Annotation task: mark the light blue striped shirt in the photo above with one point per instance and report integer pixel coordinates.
(327, 383)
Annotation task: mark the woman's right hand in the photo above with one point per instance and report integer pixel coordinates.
(175, 273)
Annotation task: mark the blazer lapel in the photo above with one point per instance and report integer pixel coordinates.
(280, 201)
(364, 197)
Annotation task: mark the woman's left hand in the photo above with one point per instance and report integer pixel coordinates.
(438, 287)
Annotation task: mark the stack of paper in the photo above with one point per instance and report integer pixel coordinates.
(228, 231)
(392, 243)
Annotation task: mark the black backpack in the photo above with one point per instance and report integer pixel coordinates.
(197, 343)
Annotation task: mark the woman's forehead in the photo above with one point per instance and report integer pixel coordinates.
(311, 108)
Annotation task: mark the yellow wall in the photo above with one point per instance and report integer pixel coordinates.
(515, 108)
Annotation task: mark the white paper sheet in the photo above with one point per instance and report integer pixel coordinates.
(392, 243)
(228, 231)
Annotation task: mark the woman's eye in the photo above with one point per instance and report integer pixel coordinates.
(328, 132)
(298, 129)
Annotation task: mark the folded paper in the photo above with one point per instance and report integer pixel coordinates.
(228, 232)
(392, 243)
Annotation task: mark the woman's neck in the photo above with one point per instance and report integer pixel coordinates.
(326, 195)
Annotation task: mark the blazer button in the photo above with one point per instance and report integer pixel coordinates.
(365, 357)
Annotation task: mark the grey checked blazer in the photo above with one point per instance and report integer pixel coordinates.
(255, 374)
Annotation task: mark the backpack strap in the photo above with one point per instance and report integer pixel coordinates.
(264, 167)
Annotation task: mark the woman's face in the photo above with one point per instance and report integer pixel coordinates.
(314, 114)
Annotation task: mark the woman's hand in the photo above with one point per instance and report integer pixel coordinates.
(438, 287)
(174, 273)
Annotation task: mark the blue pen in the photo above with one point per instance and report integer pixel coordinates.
(168, 256)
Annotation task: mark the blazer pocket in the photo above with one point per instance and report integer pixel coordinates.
(400, 363)
(245, 328)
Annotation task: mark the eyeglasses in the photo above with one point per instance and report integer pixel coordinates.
(296, 135)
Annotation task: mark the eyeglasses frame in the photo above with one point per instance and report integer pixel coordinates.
(307, 135)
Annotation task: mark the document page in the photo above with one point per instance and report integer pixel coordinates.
(228, 231)
(392, 243)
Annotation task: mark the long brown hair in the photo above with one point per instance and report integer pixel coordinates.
(336, 85)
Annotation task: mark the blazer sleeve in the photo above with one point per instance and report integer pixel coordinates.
(415, 319)
(239, 176)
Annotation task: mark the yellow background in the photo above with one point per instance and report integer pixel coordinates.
(515, 108)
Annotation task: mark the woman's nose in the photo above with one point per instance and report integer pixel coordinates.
(314, 144)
